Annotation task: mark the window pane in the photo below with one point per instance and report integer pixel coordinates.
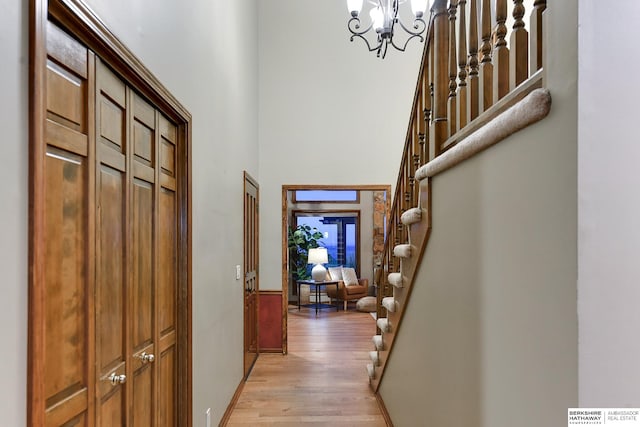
(326, 196)
(339, 237)
(350, 255)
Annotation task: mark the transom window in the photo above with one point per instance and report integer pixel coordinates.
(326, 196)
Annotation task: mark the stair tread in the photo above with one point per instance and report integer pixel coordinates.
(411, 216)
(396, 279)
(371, 371)
(377, 342)
(389, 303)
(383, 324)
(402, 251)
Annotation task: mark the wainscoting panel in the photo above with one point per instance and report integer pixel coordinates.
(270, 318)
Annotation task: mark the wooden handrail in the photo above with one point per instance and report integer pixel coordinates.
(469, 73)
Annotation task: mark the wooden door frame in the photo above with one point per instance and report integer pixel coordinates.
(285, 223)
(77, 18)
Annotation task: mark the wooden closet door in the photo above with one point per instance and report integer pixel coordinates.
(68, 270)
(112, 251)
(143, 180)
(139, 312)
(167, 280)
(109, 217)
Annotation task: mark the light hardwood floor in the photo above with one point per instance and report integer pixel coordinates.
(321, 382)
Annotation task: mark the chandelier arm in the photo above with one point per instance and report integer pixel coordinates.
(371, 49)
(402, 49)
(385, 32)
(418, 25)
(355, 22)
(386, 45)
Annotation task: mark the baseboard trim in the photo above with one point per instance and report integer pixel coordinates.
(383, 409)
(232, 405)
(275, 350)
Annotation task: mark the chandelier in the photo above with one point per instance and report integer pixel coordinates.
(383, 19)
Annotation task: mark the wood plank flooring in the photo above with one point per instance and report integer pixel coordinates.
(321, 382)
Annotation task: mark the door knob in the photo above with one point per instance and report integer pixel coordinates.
(117, 379)
(147, 357)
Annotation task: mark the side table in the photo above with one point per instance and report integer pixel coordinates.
(318, 287)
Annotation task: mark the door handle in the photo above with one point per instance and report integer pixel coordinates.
(116, 379)
(147, 357)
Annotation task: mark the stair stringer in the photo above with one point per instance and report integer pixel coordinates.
(418, 238)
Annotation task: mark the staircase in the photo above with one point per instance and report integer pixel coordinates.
(472, 92)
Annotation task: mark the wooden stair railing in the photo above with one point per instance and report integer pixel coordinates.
(468, 76)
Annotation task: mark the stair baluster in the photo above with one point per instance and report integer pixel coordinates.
(486, 66)
(519, 65)
(462, 65)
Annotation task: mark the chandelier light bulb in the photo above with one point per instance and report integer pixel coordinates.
(418, 7)
(377, 17)
(354, 6)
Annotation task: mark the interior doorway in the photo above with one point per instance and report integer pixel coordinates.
(351, 220)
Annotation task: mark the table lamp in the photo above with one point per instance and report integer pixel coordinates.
(318, 256)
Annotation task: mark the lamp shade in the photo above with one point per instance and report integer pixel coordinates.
(318, 256)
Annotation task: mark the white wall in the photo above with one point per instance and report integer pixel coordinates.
(14, 41)
(609, 206)
(489, 338)
(206, 55)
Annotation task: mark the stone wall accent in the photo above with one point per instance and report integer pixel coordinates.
(379, 221)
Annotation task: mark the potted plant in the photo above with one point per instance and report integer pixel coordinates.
(300, 240)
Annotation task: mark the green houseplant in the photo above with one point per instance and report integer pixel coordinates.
(301, 239)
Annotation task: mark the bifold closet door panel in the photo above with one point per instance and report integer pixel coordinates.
(112, 273)
(68, 280)
(167, 275)
(142, 260)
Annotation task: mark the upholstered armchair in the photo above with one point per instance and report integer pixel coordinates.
(350, 288)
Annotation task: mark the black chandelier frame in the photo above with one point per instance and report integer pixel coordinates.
(385, 35)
